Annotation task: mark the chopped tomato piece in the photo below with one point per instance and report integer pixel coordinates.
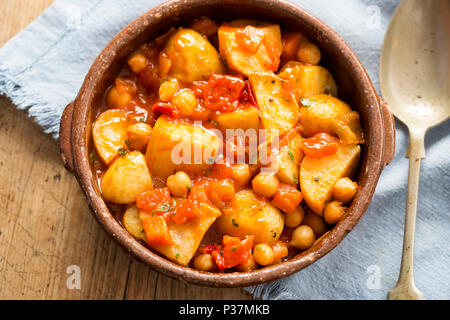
(156, 230)
(166, 108)
(223, 92)
(189, 209)
(199, 88)
(236, 251)
(210, 248)
(287, 198)
(186, 210)
(320, 145)
(222, 171)
(156, 202)
(218, 258)
(247, 98)
(250, 38)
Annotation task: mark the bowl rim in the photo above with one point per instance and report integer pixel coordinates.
(82, 170)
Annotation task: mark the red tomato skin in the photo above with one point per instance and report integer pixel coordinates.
(166, 108)
(223, 93)
(321, 145)
(287, 198)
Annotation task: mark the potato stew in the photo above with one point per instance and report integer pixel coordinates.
(224, 147)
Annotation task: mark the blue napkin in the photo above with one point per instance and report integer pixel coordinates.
(42, 69)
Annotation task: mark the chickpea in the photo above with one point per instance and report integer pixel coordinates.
(265, 185)
(185, 101)
(118, 100)
(204, 262)
(138, 135)
(247, 266)
(242, 174)
(333, 212)
(308, 52)
(295, 218)
(345, 190)
(168, 89)
(263, 254)
(303, 237)
(137, 63)
(179, 184)
(316, 223)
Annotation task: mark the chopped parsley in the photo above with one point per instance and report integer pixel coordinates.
(93, 157)
(123, 152)
(127, 142)
(233, 248)
(291, 155)
(163, 208)
(295, 179)
(234, 223)
(177, 255)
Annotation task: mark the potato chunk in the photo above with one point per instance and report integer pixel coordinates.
(240, 119)
(309, 80)
(133, 223)
(319, 175)
(278, 108)
(186, 237)
(176, 145)
(126, 178)
(192, 56)
(289, 159)
(323, 113)
(250, 46)
(248, 214)
(109, 134)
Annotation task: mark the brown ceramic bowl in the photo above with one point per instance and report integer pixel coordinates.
(355, 88)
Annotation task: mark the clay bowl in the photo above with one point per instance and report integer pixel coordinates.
(355, 88)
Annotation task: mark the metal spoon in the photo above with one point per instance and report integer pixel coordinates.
(414, 77)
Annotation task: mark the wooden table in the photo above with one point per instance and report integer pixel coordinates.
(45, 224)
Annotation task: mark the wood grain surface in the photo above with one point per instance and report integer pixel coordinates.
(45, 224)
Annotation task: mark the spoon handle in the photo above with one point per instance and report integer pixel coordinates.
(405, 288)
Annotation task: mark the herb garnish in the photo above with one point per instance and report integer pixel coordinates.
(123, 152)
(93, 157)
(291, 155)
(163, 208)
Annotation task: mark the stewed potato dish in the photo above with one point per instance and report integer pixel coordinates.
(223, 146)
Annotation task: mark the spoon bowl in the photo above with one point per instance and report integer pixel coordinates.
(414, 78)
